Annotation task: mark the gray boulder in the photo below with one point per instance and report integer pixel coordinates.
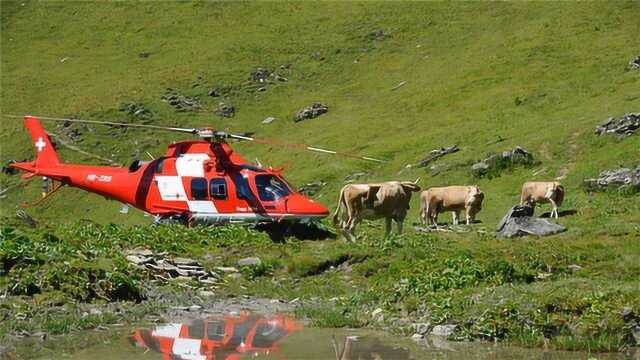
(310, 112)
(494, 163)
(619, 179)
(443, 330)
(635, 63)
(250, 261)
(622, 126)
(519, 221)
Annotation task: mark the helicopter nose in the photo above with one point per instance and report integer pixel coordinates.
(298, 204)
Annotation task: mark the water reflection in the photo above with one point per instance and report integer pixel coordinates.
(218, 337)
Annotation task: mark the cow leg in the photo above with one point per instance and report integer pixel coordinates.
(387, 226)
(554, 208)
(399, 224)
(468, 215)
(455, 215)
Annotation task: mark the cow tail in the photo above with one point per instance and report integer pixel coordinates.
(338, 207)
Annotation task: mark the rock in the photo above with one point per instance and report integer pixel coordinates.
(378, 34)
(235, 275)
(497, 162)
(225, 110)
(26, 218)
(294, 301)
(516, 211)
(443, 330)
(619, 179)
(214, 92)
(518, 222)
(249, 261)
(376, 312)
(310, 112)
(260, 75)
(353, 177)
(417, 337)
(436, 154)
(635, 63)
(180, 102)
(623, 126)
(144, 55)
(206, 293)
(312, 188)
(268, 120)
(185, 261)
(226, 269)
(422, 328)
(574, 267)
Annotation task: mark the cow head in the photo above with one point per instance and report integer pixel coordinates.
(410, 186)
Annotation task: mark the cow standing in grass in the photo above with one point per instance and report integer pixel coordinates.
(388, 200)
(543, 192)
(450, 198)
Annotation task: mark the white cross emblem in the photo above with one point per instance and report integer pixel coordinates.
(40, 144)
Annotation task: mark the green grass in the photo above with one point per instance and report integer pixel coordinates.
(539, 75)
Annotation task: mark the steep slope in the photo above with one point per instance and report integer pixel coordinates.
(537, 75)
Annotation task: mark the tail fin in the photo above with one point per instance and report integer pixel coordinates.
(46, 155)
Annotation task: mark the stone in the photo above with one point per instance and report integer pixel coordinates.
(444, 330)
(623, 126)
(574, 267)
(376, 312)
(249, 261)
(260, 75)
(422, 328)
(310, 189)
(310, 112)
(180, 102)
(634, 64)
(618, 179)
(268, 120)
(416, 337)
(184, 261)
(226, 269)
(206, 293)
(497, 162)
(294, 301)
(234, 275)
(195, 308)
(519, 222)
(214, 92)
(436, 154)
(226, 110)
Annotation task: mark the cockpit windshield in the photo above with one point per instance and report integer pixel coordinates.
(271, 188)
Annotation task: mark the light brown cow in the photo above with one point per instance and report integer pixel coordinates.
(543, 192)
(389, 200)
(450, 198)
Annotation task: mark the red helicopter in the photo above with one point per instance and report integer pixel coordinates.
(223, 337)
(195, 182)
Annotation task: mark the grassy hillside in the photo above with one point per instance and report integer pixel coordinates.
(538, 75)
(464, 66)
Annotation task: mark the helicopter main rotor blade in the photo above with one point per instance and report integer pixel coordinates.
(304, 147)
(111, 123)
(209, 133)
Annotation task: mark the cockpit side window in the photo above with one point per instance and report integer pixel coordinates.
(159, 165)
(271, 188)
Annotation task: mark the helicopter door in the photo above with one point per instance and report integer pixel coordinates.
(271, 190)
(247, 202)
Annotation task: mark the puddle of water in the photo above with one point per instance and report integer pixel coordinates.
(247, 336)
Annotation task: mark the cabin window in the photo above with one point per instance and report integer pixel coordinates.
(242, 187)
(199, 189)
(271, 188)
(215, 330)
(159, 165)
(218, 188)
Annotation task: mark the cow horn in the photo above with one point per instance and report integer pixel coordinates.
(417, 180)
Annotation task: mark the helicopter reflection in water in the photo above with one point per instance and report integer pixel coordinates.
(224, 337)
